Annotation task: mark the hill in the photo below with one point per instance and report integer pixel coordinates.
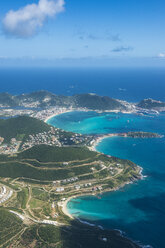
(47, 99)
(49, 163)
(20, 127)
(7, 100)
(44, 153)
(41, 99)
(151, 104)
(72, 236)
(44, 177)
(92, 101)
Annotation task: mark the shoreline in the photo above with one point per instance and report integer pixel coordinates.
(64, 203)
(64, 207)
(65, 210)
(56, 114)
(98, 140)
(63, 111)
(92, 148)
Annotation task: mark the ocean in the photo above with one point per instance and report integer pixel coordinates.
(127, 84)
(137, 209)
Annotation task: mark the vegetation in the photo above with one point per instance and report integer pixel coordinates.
(37, 176)
(7, 100)
(142, 135)
(21, 170)
(22, 197)
(151, 104)
(38, 173)
(20, 127)
(10, 226)
(90, 101)
(74, 236)
(40, 194)
(44, 153)
(48, 163)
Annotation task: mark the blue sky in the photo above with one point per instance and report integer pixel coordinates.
(87, 28)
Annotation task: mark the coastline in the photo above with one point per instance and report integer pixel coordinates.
(64, 208)
(63, 111)
(56, 114)
(98, 140)
(64, 203)
(92, 148)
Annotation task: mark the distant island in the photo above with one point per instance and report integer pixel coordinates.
(45, 99)
(42, 167)
(152, 104)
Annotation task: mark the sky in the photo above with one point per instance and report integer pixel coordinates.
(82, 30)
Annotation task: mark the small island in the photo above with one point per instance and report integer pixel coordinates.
(143, 135)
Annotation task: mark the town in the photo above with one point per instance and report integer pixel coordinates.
(5, 194)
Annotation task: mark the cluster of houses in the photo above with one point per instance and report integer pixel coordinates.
(46, 138)
(5, 195)
(45, 114)
(9, 148)
(61, 189)
(15, 112)
(72, 139)
(76, 186)
(113, 170)
(55, 137)
(65, 181)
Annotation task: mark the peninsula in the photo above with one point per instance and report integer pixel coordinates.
(42, 167)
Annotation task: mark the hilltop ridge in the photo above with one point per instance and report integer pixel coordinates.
(151, 104)
(46, 99)
(41, 99)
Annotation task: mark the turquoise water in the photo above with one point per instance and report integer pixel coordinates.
(137, 209)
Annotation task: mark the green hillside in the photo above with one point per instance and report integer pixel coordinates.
(10, 226)
(47, 99)
(46, 163)
(44, 153)
(93, 101)
(8, 100)
(151, 104)
(21, 126)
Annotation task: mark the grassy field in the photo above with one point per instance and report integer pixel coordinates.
(22, 198)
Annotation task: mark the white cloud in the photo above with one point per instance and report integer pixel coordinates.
(161, 55)
(26, 21)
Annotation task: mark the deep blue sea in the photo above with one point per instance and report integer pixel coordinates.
(137, 209)
(128, 84)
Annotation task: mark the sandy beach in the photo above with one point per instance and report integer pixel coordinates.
(61, 111)
(58, 113)
(64, 203)
(99, 139)
(92, 148)
(64, 207)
